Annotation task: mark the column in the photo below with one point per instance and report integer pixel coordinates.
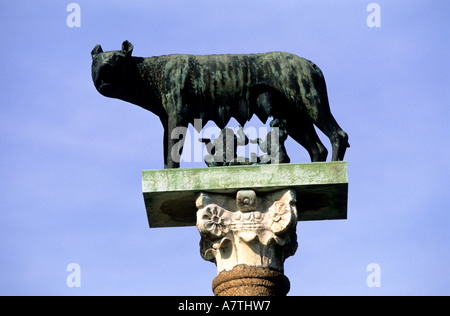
(248, 236)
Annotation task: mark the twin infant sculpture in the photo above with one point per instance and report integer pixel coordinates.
(223, 149)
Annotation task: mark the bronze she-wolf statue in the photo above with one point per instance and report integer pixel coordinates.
(181, 88)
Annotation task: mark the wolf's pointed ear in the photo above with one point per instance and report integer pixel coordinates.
(97, 50)
(127, 48)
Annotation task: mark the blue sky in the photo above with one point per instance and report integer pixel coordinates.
(71, 159)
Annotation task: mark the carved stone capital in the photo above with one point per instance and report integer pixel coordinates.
(247, 229)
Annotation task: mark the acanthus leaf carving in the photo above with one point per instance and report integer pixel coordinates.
(234, 234)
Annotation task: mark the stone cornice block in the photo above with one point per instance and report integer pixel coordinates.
(170, 194)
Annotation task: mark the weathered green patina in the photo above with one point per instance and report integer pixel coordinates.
(181, 88)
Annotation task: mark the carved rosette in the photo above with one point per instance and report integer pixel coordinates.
(247, 229)
(215, 221)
